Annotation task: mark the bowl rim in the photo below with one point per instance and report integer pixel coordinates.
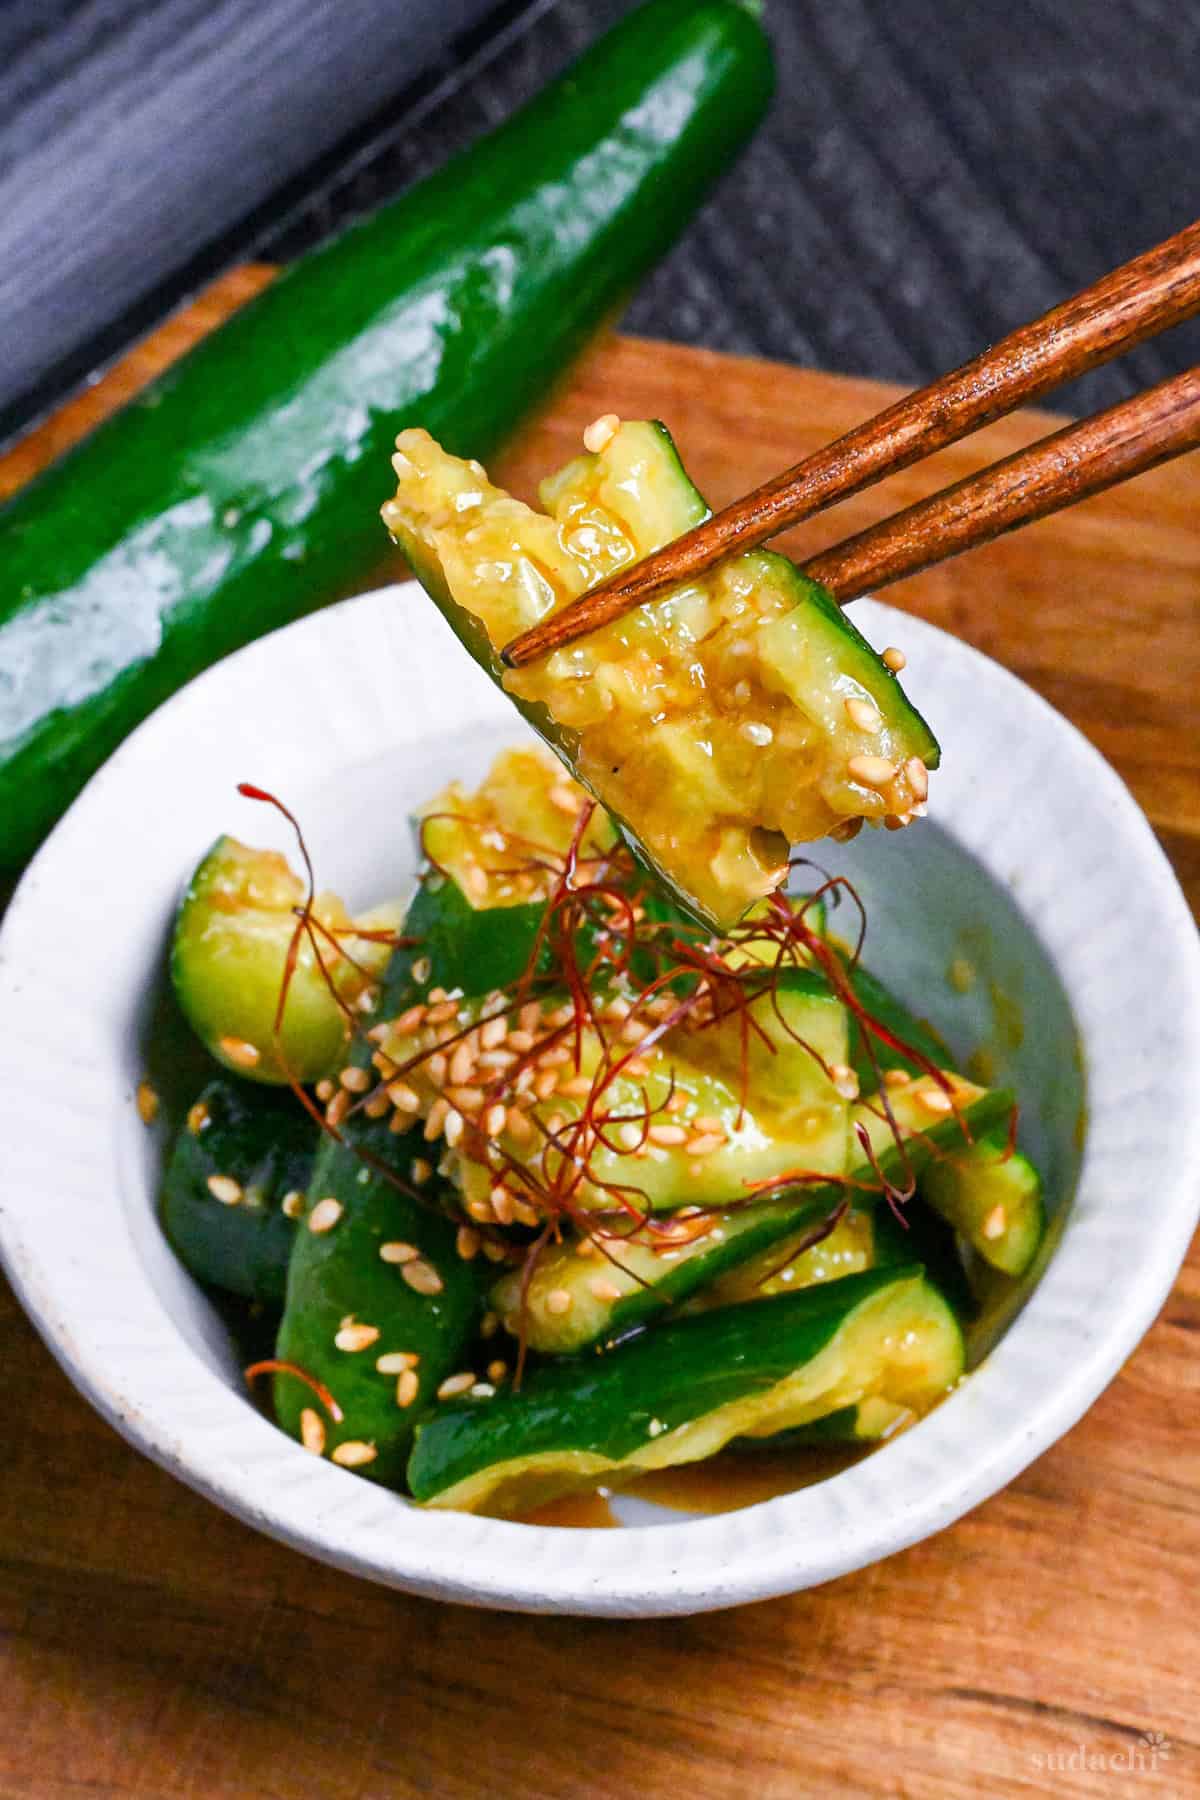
(131, 1362)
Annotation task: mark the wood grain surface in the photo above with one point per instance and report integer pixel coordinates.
(154, 1647)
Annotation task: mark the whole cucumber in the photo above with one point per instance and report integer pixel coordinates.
(242, 489)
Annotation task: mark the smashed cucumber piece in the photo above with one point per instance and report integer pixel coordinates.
(993, 1196)
(503, 842)
(682, 1392)
(228, 956)
(629, 1279)
(705, 1147)
(234, 1186)
(718, 724)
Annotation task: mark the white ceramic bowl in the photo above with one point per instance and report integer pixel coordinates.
(1036, 865)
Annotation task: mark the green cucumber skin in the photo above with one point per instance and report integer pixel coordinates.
(687, 1275)
(674, 1375)
(475, 951)
(267, 1143)
(337, 1273)
(883, 1005)
(241, 490)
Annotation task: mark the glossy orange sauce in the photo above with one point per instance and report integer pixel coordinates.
(722, 1484)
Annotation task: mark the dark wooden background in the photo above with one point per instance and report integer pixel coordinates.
(932, 172)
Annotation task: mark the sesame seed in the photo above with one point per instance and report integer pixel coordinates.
(896, 1078)
(559, 1301)
(338, 1107)
(422, 1277)
(292, 1204)
(467, 1099)
(604, 1288)
(935, 1100)
(993, 1225)
(530, 1016)
(462, 1065)
(519, 1128)
(872, 771)
(525, 1214)
(146, 1100)
(498, 1370)
(436, 1067)
(705, 1143)
(442, 1013)
(520, 1040)
(601, 432)
(844, 1080)
(453, 1127)
(438, 1114)
(325, 1215)
(407, 1388)
(409, 1021)
(667, 1134)
(355, 1081)
(394, 1362)
(438, 994)
(546, 1083)
(225, 1189)
(421, 1171)
(629, 1135)
(492, 1033)
(197, 1118)
(379, 1034)
(402, 1097)
(576, 1086)
(918, 777)
(325, 1089)
(467, 1242)
(554, 1124)
(708, 1122)
(502, 1205)
(755, 732)
(378, 1106)
(238, 1051)
(422, 969)
(865, 716)
(481, 1211)
(353, 1454)
(356, 1337)
(476, 880)
(394, 1251)
(564, 800)
(493, 1251)
(494, 1119)
(489, 1325)
(312, 1432)
(455, 1384)
(895, 659)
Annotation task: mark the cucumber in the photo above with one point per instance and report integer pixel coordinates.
(994, 1198)
(683, 1391)
(883, 1005)
(237, 492)
(350, 1303)
(228, 955)
(609, 1296)
(256, 1148)
(716, 724)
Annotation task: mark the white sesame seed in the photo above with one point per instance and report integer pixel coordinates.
(146, 1100)
(467, 1243)
(462, 1065)
(402, 1097)
(918, 777)
(603, 1288)
(353, 1454)
(396, 1252)
(896, 1078)
(559, 1301)
(872, 771)
(197, 1118)
(489, 1325)
(453, 1127)
(225, 1189)
(502, 1205)
(407, 1387)
(497, 1370)
(422, 969)
(455, 1384)
(705, 1143)
(325, 1089)
(895, 659)
(492, 1033)
(934, 1100)
(356, 1337)
(667, 1134)
(437, 1118)
(325, 1215)
(844, 1080)
(422, 1277)
(863, 715)
(292, 1204)
(409, 1021)
(394, 1362)
(993, 1225)
(338, 1107)
(601, 432)
(312, 1431)
(237, 1050)
(421, 1171)
(755, 732)
(355, 1080)
(494, 1119)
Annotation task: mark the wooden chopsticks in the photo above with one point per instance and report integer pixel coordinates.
(1156, 290)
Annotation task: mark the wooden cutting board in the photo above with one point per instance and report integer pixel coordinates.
(153, 1647)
